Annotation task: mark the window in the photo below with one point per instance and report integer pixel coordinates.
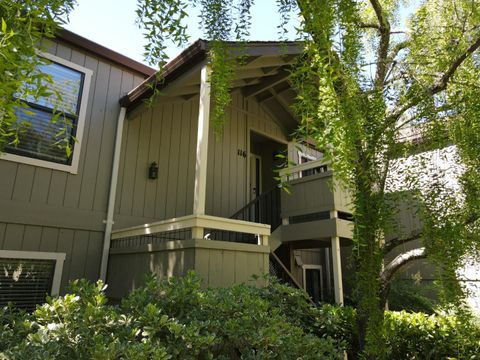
(26, 278)
(55, 120)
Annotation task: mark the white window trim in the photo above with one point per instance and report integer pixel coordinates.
(73, 167)
(39, 255)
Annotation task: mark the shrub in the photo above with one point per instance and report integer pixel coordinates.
(437, 336)
(412, 297)
(173, 319)
(177, 319)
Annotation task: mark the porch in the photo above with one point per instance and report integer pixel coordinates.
(221, 251)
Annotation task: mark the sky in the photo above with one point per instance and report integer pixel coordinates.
(111, 23)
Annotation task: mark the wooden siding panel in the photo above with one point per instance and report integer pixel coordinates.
(105, 158)
(8, 170)
(183, 160)
(79, 254)
(141, 166)
(153, 154)
(164, 114)
(94, 255)
(49, 239)
(56, 191)
(128, 182)
(23, 182)
(41, 185)
(93, 144)
(65, 245)
(173, 176)
(32, 238)
(13, 237)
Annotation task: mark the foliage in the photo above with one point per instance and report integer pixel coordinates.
(23, 25)
(177, 319)
(361, 86)
(174, 319)
(405, 294)
(438, 336)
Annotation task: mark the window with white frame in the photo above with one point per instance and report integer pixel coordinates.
(26, 278)
(52, 136)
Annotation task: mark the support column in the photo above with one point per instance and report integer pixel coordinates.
(202, 143)
(337, 270)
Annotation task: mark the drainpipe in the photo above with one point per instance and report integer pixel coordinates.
(113, 192)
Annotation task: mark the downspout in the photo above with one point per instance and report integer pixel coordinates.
(113, 192)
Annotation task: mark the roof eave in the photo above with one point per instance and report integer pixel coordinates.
(194, 54)
(100, 50)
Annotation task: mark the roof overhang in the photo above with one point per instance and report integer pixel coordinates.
(101, 51)
(262, 74)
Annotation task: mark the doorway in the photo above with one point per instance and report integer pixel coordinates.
(313, 282)
(255, 176)
(264, 163)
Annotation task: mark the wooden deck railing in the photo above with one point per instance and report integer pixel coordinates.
(187, 227)
(305, 169)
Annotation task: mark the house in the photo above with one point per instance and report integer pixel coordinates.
(152, 188)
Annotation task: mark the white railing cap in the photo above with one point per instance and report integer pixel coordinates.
(192, 221)
(303, 167)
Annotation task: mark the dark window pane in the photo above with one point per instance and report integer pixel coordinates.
(64, 89)
(25, 282)
(39, 140)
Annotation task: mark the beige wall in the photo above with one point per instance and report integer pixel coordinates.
(166, 134)
(50, 210)
(227, 178)
(217, 263)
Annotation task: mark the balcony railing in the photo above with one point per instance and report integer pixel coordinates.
(306, 169)
(191, 227)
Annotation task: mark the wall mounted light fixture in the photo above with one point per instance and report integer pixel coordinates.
(153, 171)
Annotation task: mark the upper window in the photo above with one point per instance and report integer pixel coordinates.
(53, 137)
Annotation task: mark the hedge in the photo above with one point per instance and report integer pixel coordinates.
(178, 319)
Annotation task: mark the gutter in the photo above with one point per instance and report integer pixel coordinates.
(113, 193)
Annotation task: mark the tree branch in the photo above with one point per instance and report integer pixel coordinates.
(393, 243)
(442, 84)
(395, 265)
(382, 54)
(438, 86)
(363, 25)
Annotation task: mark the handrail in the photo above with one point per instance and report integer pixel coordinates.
(286, 173)
(286, 275)
(263, 209)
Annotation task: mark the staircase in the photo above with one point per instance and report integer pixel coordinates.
(265, 209)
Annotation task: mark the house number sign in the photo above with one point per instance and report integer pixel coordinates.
(242, 153)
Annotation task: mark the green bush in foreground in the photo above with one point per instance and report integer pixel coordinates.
(177, 319)
(174, 319)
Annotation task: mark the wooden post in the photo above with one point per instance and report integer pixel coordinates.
(197, 232)
(202, 143)
(337, 270)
